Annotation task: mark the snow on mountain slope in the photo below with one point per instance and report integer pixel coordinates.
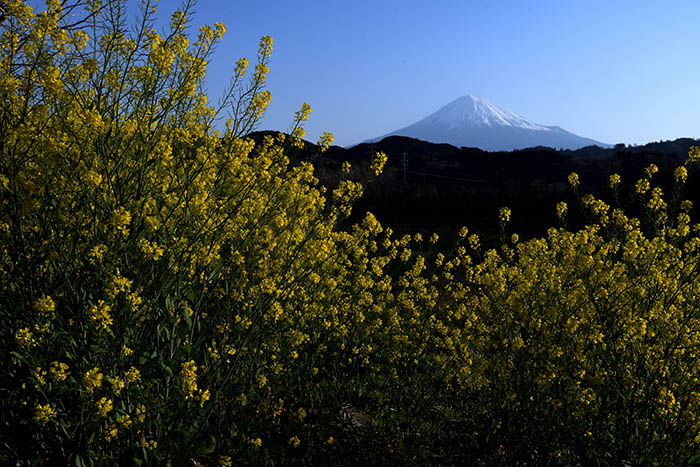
(475, 122)
(475, 111)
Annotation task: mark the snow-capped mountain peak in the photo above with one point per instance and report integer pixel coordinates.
(477, 111)
(476, 122)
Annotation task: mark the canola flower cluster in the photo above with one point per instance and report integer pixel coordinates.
(176, 292)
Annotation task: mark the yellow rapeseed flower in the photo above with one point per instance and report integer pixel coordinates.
(92, 379)
(104, 406)
(680, 174)
(110, 432)
(44, 413)
(325, 141)
(59, 371)
(121, 218)
(124, 421)
(651, 170)
(100, 315)
(188, 374)
(574, 180)
(241, 67)
(25, 338)
(203, 397)
(40, 376)
(97, 253)
(504, 215)
(265, 47)
(141, 413)
(117, 384)
(118, 284)
(561, 209)
(642, 186)
(45, 305)
(132, 375)
(378, 163)
(614, 181)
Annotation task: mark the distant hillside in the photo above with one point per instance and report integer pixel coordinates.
(396, 145)
(447, 187)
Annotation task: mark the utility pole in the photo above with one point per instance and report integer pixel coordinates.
(404, 165)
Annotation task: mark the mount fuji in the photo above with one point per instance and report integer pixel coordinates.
(473, 121)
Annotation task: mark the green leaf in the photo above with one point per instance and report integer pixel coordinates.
(166, 369)
(204, 448)
(18, 356)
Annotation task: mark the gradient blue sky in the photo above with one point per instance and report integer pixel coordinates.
(615, 71)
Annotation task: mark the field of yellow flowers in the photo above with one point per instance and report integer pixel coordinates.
(171, 293)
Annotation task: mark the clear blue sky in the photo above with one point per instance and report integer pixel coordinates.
(615, 71)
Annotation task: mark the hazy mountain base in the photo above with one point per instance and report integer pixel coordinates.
(495, 138)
